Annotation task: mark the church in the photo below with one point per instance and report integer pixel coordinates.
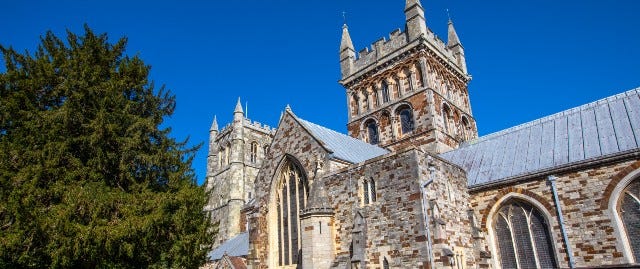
(413, 186)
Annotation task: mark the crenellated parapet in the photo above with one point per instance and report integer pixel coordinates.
(396, 44)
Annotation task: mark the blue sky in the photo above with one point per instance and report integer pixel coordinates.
(528, 59)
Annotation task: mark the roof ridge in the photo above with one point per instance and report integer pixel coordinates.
(554, 116)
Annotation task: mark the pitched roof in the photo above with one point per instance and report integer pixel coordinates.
(342, 146)
(606, 127)
(234, 247)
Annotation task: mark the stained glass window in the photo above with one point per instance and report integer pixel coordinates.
(523, 237)
(629, 210)
(291, 198)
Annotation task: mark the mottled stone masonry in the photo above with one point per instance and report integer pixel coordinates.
(584, 197)
(292, 140)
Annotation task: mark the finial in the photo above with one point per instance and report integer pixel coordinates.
(287, 108)
(449, 15)
(238, 107)
(214, 125)
(344, 17)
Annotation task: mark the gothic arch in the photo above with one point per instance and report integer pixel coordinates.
(614, 202)
(289, 181)
(407, 121)
(371, 127)
(446, 118)
(534, 203)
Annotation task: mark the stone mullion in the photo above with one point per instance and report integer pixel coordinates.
(296, 178)
(533, 243)
(633, 197)
(281, 235)
(513, 242)
(288, 205)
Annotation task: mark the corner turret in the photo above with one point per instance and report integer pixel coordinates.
(347, 53)
(453, 43)
(316, 220)
(416, 23)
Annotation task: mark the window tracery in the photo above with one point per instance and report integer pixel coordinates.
(523, 238)
(291, 198)
(629, 212)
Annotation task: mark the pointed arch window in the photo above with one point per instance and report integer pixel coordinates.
(253, 155)
(221, 157)
(629, 212)
(385, 263)
(372, 131)
(466, 133)
(419, 80)
(406, 119)
(446, 112)
(291, 198)
(368, 191)
(227, 154)
(365, 100)
(522, 236)
(385, 91)
(356, 104)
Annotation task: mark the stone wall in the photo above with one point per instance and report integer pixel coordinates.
(291, 142)
(584, 198)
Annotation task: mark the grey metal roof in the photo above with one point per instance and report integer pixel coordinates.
(342, 146)
(602, 128)
(234, 247)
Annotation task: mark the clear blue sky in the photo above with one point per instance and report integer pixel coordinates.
(528, 58)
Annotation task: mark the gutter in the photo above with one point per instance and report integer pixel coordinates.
(552, 180)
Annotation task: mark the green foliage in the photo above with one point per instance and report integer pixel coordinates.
(88, 178)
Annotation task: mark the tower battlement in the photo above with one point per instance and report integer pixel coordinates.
(251, 124)
(398, 42)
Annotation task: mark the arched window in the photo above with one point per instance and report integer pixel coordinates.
(365, 100)
(522, 236)
(385, 92)
(397, 86)
(385, 263)
(446, 114)
(408, 76)
(221, 158)
(419, 76)
(253, 155)
(227, 154)
(372, 131)
(368, 191)
(356, 104)
(291, 198)
(465, 128)
(406, 119)
(376, 99)
(629, 211)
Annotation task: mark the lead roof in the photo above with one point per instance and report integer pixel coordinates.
(606, 127)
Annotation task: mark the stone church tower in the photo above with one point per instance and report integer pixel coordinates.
(235, 156)
(410, 90)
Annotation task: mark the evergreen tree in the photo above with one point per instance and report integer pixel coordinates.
(88, 177)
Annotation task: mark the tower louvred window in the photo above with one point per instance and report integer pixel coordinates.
(372, 130)
(406, 120)
(385, 92)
